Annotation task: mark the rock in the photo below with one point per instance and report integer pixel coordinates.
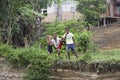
(7, 72)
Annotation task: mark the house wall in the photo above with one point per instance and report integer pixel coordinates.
(113, 9)
(68, 11)
(51, 17)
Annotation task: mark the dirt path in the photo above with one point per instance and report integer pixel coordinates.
(107, 37)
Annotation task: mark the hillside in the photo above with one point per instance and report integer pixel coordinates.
(107, 38)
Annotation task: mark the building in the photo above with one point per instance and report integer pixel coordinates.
(113, 9)
(112, 12)
(67, 11)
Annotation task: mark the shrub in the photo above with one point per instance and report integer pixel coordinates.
(5, 49)
(39, 65)
(84, 41)
(85, 58)
(36, 61)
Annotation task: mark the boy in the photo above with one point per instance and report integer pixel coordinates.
(70, 44)
(57, 43)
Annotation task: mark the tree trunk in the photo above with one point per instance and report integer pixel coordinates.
(10, 23)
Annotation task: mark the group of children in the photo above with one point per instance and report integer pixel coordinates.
(57, 43)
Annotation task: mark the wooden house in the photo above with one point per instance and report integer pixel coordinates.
(113, 8)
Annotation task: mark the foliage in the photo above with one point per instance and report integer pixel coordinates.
(59, 29)
(106, 55)
(39, 68)
(81, 36)
(92, 9)
(36, 61)
(18, 17)
(85, 58)
(84, 41)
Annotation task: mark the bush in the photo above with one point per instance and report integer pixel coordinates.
(84, 41)
(59, 28)
(85, 58)
(5, 49)
(36, 61)
(39, 65)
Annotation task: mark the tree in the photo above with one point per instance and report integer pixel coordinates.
(58, 9)
(18, 20)
(92, 9)
(58, 4)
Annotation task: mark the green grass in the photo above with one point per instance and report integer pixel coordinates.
(100, 56)
(107, 55)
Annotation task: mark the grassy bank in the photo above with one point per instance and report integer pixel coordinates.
(37, 61)
(98, 62)
(99, 56)
(107, 55)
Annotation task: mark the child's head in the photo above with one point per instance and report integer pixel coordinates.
(48, 36)
(67, 30)
(54, 35)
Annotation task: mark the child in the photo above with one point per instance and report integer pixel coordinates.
(57, 43)
(49, 42)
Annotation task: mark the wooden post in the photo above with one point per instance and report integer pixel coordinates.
(104, 21)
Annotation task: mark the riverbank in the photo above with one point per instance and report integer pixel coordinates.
(78, 75)
(101, 65)
(65, 70)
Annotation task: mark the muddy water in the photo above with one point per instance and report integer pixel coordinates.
(77, 75)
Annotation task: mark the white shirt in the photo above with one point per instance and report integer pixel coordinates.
(69, 38)
(56, 42)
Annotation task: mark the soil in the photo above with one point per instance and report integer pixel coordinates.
(107, 38)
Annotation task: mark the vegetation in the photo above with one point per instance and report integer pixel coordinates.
(92, 10)
(83, 42)
(36, 61)
(100, 62)
(21, 20)
(107, 55)
(20, 25)
(58, 4)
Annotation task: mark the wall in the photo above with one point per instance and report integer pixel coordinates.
(68, 11)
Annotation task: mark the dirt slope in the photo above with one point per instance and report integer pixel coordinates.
(107, 37)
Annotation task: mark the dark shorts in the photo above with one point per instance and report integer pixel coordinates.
(50, 50)
(70, 46)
